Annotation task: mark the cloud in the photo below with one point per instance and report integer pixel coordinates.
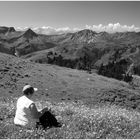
(21, 28)
(117, 27)
(44, 30)
(49, 30)
(111, 28)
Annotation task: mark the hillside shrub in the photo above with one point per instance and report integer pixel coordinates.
(115, 70)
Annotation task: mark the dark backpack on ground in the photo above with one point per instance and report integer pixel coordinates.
(48, 120)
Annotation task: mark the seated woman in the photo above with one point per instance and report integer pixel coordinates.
(27, 114)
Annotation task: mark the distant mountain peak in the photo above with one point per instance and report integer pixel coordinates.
(85, 35)
(29, 34)
(6, 30)
(104, 34)
(11, 29)
(87, 31)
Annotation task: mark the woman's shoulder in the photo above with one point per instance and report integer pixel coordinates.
(20, 98)
(25, 100)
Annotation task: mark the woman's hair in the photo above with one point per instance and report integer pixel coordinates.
(28, 91)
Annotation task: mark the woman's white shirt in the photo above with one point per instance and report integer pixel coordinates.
(23, 115)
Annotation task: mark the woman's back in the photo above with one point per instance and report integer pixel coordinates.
(23, 115)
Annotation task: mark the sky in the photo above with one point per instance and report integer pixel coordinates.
(71, 15)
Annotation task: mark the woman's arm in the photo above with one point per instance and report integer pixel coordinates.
(35, 113)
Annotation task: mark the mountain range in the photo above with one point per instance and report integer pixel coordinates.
(85, 49)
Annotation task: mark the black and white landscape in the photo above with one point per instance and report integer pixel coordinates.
(80, 73)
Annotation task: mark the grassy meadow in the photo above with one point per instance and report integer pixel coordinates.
(79, 121)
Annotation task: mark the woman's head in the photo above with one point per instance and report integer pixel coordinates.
(28, 90)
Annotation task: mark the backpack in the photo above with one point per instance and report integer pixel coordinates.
(48, 120)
